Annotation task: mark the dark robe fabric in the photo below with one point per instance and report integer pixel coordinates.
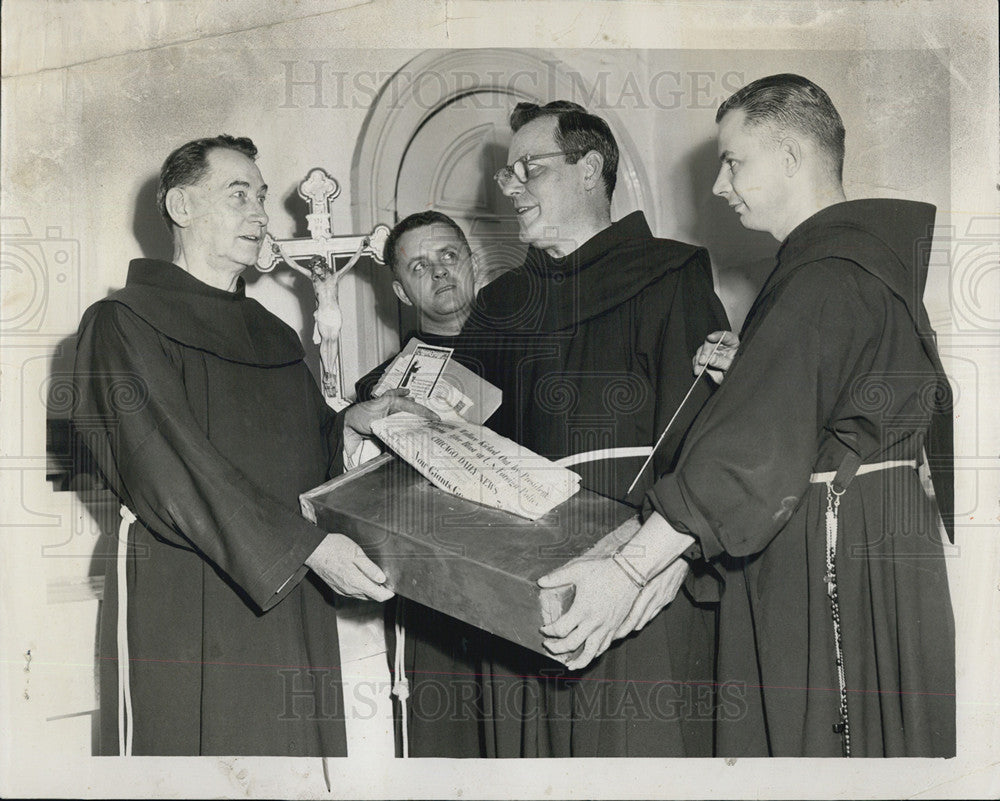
(207, 424)
(836, 360)
(439, 659)
(593, 351)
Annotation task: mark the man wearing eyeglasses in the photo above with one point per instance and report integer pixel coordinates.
(591, 341)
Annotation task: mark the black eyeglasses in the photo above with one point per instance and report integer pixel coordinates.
(519, 169)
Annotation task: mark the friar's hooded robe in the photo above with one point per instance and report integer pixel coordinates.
(207, 424)
(836, 366)
(593, 354)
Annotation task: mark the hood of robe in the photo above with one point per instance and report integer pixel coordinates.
(891, 239)
(551, 294)
(227, 324)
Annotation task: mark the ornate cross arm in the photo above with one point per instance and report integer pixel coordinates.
(319, 252)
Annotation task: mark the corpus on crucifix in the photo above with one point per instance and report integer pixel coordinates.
(315, 258)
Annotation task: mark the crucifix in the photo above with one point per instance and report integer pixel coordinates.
(319, 252)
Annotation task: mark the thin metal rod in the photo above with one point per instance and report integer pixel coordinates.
(697, 378)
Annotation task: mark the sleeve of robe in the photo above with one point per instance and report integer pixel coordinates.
(168, 472)
(746, 462)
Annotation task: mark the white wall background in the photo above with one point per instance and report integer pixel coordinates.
(96, 93)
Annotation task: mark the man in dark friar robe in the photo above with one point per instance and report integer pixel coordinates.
(432, 269)
(207, 424)
(799, 481)
(591, 341)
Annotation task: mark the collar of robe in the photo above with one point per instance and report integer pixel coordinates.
(227, 324)
(890, 239)
(551, 294)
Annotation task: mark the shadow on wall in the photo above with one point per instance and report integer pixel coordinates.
(503, 250)
(92, 531)
(297, 209)
(148, 227)
(742, 258)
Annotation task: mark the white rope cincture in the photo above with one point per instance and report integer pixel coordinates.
(875, 467)
(604, 453)
(125, 719)
(401, 685)
(843, 726)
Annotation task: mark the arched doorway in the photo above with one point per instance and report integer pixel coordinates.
(433, 138)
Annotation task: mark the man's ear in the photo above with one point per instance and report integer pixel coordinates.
(594, 164)
(401, 293)
(791, 155)
(478, 278)
(178, 205)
